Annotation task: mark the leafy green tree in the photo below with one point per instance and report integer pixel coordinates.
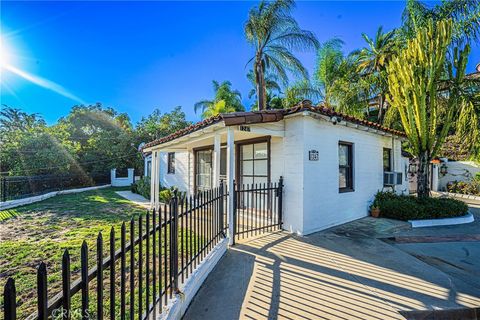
(223, 91)
(29, 147)
(104, 138)
(274, 34)
(158, 125)
(414, 76)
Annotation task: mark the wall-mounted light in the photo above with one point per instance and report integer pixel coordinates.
(443, 169)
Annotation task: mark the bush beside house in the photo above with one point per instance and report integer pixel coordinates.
(142, 187)
(403, 207)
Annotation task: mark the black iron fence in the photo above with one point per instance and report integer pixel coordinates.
(17, 187)
(258, 208)
(156, 254)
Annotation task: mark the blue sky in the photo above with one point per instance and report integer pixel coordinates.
(138, 56)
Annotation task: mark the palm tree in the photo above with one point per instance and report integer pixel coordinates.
(465, 15)
(416, 93)
(274, 33)
(271, 85)
(372, 60)
(223, 92)
(328, 67)
(300, 91)
(216, 109)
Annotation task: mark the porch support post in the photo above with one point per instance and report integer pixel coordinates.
(230, 175)
(216, 161)
(157, 181)
(153, 174)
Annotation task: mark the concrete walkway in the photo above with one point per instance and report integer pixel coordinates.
(336, 274)
(135, 198)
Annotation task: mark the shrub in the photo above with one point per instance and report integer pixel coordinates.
(142, 187)
(462, 187)
(402, 207)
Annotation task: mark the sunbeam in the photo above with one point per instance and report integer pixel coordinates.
(47, 84)
(7, 63)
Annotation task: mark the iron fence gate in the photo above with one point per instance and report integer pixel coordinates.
(258, 208)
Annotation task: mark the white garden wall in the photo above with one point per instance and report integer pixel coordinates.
(457, 171)
(121, 181)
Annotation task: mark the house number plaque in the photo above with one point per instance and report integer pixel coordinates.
(313, 155)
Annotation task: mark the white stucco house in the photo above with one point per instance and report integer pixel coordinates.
(332, 164)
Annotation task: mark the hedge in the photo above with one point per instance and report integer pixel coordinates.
(402, 207)
(142, 187)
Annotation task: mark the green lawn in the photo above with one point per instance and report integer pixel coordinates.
(42, 231)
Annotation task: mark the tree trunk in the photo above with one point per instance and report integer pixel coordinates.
(260, 80)
(423, 187)
(380, 109)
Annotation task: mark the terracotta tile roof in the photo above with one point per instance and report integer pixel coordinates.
(307, 106)
(239, 118)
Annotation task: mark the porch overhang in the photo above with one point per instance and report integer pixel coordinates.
(206, 137)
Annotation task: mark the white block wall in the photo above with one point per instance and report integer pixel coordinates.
(458, 171)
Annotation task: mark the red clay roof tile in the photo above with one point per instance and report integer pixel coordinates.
(238, 118)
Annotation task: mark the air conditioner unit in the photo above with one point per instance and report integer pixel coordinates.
(392, 178)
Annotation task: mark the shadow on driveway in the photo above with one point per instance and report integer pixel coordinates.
(324, 276)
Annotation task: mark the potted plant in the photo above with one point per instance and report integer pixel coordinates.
(375, 211)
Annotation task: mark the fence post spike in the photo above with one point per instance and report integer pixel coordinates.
(66, 276)
(42, 302)
(10, 300)
(100, 276)
(84, 277)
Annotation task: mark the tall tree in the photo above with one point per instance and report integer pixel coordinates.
(465, 15)
(328, 68)
(104, 138)
(414, 76)
(274, 34)
(339, 81)
(223, 92)
(157, 125)
(372, 62)
(274, 99)
(217, 108)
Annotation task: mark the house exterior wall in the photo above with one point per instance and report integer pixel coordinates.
(323, 205)
(290, 160)
(311, 198)
(178, 179)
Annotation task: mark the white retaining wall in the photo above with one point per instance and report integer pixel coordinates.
(21, 202)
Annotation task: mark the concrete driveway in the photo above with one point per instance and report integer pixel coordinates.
(367, 269)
